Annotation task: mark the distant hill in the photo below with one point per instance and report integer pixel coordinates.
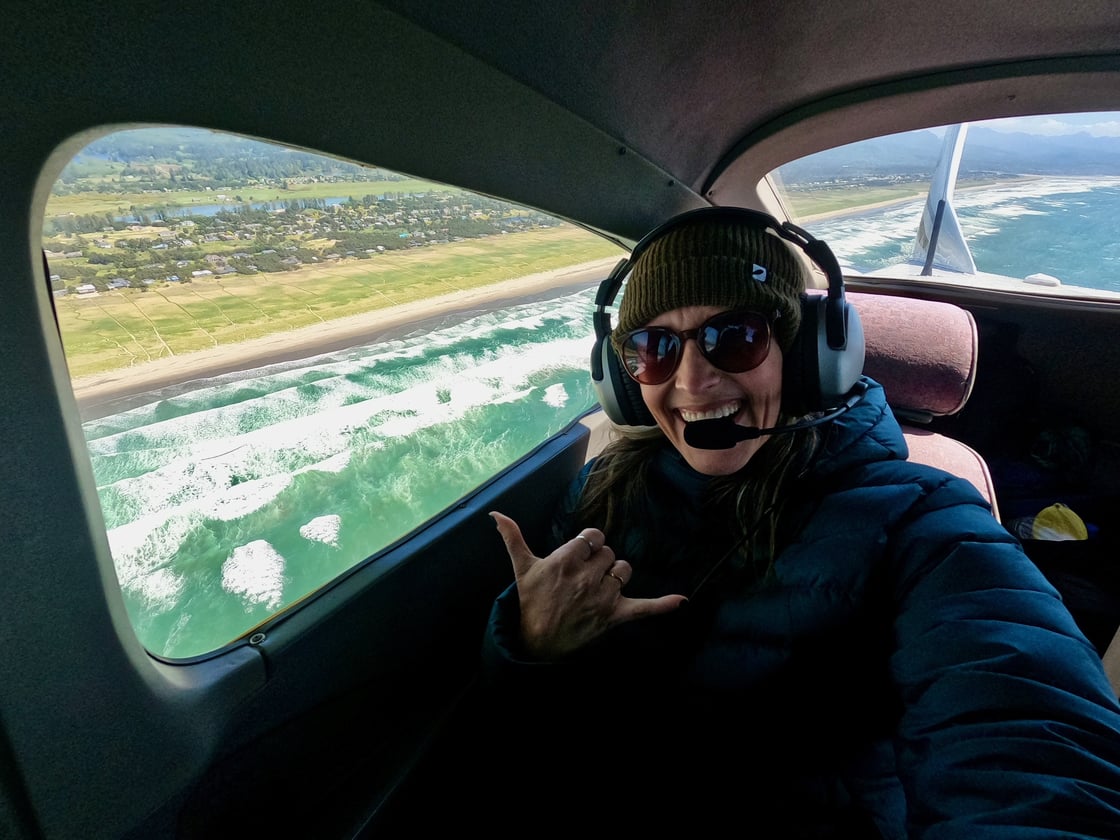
(986, 153)
(1033, 154)
(199, 155)
(178, 158)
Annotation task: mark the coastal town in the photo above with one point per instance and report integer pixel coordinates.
(90, 255)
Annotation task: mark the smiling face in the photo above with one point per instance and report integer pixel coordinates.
(700, 391)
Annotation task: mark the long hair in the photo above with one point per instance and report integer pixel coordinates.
(752, 500)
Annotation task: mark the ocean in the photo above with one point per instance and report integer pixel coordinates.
(227, 501)
(1064, 227)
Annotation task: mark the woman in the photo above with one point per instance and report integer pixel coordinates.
(804, 632)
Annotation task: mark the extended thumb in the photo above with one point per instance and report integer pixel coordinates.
(518, 550)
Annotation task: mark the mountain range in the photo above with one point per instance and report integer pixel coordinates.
(987, 152)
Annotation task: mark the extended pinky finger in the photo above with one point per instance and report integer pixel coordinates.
(628, 609)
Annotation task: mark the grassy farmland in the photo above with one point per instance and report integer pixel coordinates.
(127, 327)
(90, 203)
(808, 204)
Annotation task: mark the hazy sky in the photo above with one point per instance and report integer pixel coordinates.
(1103, 124)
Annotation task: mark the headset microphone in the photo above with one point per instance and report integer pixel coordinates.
(724, 433)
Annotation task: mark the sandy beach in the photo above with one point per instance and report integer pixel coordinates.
(117, 390)
(917, 196)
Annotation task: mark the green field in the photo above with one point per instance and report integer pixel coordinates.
(809, 203)
(131, 326)
(806, 203)
(92, 203)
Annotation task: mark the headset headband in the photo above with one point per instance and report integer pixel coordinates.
(814, 248)
(821, 368)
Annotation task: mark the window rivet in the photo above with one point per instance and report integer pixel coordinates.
(257, 638)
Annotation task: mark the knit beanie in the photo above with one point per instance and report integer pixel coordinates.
(715, 262)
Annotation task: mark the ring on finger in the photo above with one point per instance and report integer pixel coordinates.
(590, 544)
(621, 582)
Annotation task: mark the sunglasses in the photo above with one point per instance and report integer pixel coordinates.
(734, 342)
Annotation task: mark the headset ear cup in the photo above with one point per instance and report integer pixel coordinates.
(840, 370)
(801, 390)
(635, 407)
(618, 394)
(816, 377)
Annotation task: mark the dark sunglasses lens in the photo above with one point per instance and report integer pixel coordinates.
(650, 355)
(735, 342)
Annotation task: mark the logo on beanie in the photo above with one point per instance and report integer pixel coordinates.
(758, 272)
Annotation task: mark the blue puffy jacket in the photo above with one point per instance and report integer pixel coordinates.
(904, 671)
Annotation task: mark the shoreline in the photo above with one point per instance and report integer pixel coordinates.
(830, 215)
(102, 394)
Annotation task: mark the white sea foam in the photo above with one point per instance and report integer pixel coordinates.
(851, 237)
(141, 551)
(243, 499)
(324, 529)
(179, 630)
(230, 459)
(556, 395)
(160, 590)
(141, 548)
(255, 573)
(230, 477)
(1013, 211)
(334, 464)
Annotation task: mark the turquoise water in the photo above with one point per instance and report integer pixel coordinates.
(1066, 228)
(228, 501)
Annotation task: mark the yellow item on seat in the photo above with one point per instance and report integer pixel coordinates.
(1058, 522)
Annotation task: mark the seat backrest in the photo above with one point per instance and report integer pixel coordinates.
(924, 355)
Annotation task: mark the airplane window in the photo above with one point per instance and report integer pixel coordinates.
(1025, 204)
(285, 362)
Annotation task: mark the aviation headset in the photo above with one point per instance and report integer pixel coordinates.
(821, 369)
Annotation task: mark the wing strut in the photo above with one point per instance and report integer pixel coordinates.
(940, 242)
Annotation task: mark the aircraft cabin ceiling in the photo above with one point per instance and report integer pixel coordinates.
(690, 86)
(640, 109)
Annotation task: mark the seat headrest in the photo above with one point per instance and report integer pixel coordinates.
(922, 352)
